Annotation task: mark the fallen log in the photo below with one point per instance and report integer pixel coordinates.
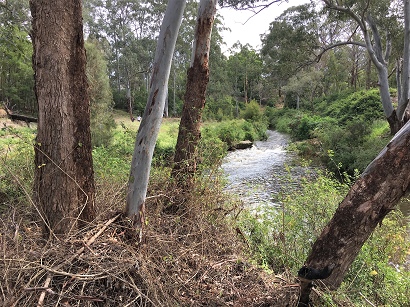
(24, 118)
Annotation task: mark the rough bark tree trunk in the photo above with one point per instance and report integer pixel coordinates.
(194, 100)
(64, 177)
(151, 121)
(371, 198)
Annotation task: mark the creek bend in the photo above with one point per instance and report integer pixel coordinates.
(254, 174)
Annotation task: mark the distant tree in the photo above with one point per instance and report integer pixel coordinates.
(64, 177)
(101, 101)
(305, 84)
(291, 41)
(16, 74)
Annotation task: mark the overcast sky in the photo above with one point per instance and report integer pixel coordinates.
(249, 33)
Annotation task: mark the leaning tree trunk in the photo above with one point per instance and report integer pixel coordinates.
(151, 121)
(371, 198)
(194, 99)
(64, 177)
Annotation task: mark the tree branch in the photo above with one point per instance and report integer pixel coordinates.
(319, 56)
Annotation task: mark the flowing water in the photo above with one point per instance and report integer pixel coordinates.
(254, 174)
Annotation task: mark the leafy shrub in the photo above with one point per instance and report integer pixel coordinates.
(278, 119)
(17, 165)
(252, 111)
(303, 125)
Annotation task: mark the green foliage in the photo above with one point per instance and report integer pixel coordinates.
(219, 110)
(252, 111)
(234, 131)
(16, 75)
(363, 105)
(167, 139)
(17, 167)
(101, 101)
(353, 146)
(349, 125)
(302, 126)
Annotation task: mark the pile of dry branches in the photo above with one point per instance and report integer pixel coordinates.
(191, 257)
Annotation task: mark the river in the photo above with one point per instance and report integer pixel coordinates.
(254, 174)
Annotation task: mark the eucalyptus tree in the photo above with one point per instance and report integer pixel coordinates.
(130, 27)
(194, 100)
(64, 178)
(292, 40)
(152, 118)
(307, 84)
(245, 70)
(219, 83)
(372, 18)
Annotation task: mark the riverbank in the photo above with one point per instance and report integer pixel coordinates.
(190, 257)
(287, 206)
(211, 251)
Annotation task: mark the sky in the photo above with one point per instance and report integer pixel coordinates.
(249, 33)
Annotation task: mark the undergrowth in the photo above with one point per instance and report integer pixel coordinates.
(188, 257)
(211, 251)
(281, 238)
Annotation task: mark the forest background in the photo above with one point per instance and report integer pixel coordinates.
(331, 108)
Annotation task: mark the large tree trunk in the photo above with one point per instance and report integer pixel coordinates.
(151, 121)
(64, 177)
(194, 99)
(371, 198)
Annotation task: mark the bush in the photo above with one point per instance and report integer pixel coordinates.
(17, 165)
(252, 112)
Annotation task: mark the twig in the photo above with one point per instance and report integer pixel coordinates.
(238, 231)
(89, 242)
(78, 276)
(367, 301)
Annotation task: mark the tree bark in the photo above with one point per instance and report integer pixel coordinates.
(64, 177)
(404, 97)
(151, 121)
(194, 100)
(371, 198)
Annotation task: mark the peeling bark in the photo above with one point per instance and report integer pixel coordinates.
(194, 99)
(371, 198)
